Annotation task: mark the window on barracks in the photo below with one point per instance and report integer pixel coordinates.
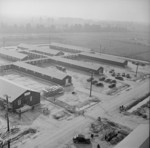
(19, 102)
(30, 98)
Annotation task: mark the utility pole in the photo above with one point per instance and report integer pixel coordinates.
(100, 49)
(137, 68)
(8, 128)
(91, 84)
(49, 39)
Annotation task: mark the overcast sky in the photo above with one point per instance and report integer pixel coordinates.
(108, 10)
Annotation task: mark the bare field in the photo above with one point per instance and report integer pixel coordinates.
(129, 44)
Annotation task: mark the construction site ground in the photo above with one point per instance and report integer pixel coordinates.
(53, 133)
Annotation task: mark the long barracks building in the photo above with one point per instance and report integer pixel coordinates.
(68, 48)
(13, 55)
(80, 65)
(108, 59)
(83, 66)
(46, 74)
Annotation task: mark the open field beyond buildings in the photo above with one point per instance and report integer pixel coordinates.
(130, 44)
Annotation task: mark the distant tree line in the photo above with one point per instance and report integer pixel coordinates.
(40, 28)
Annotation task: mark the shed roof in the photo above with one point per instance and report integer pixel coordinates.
(51, 72)
(14, 54)
(71, 47)
(91, 66)
(11, 89)
(103, 56)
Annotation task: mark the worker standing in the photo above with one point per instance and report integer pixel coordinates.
(92, 136)
(20, 114)
(98, 146)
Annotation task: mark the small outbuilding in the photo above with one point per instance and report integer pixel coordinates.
(18, 95)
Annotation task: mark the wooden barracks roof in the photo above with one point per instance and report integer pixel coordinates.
(46, 50)
(11, 89)
(102, 57)
(71, 47)
(26, 46)
(92, 66)
(14, 54)
(51, 72)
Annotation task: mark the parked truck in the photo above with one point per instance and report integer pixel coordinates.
(80, 139)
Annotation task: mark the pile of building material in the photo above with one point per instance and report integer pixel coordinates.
(46, 111)
(109, 131)
(14, 135)
(53, 90)
(117, 89)
(23, 109)
(143, 111)
(61, 115)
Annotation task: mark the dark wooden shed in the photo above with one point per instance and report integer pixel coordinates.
(18, 95)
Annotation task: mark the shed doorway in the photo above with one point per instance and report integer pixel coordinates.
(67, 82)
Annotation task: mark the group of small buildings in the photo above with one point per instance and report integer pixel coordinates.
(58, 49)
(29, 58)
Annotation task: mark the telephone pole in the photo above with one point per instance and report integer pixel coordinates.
(100, 49)
(7, 116)
(137, 65)
(49, 39)
(91, 84)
